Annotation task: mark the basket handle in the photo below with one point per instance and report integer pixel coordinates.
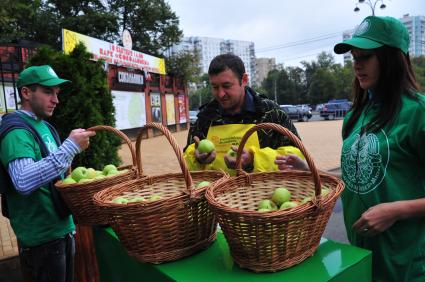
(126, 140)
(176, 148)
(293, 138)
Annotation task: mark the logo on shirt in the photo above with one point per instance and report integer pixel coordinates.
(50, 143)
(364, 161)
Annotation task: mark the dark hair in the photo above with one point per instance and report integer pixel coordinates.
(32, 87)
(395, 80)
(227, 61)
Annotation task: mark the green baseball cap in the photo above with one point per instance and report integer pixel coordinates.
(375, 32)
(43, 75)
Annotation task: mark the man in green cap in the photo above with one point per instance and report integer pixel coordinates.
(32, 159)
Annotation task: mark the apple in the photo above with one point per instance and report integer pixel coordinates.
(203, 184)
(289, 205)
(306, 199)
(99, 172)
(205, 146)
(155, 197)
(281, 195)
(112, 172)
(120, 200)
(264, 210)
(231, 153)
(79, 173)
(137, 199)
(91, 173)
(68, 180)
(267, 204)
(108, 168)
(84, 180)
(101, 176)
(325, 191)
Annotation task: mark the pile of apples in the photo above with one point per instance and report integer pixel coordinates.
(82, 174)
(281, 200)
(124, 200)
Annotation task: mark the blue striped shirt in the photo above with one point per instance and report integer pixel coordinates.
(28, 175)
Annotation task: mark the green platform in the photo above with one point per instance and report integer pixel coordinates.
(332, 261)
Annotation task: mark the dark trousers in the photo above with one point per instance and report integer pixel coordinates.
(49, 262)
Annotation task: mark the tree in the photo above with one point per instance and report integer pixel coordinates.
(42, 21)
(85, 102)
(184, 64)
(152, 23)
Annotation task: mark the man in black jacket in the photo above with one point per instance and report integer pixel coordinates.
(224, 120)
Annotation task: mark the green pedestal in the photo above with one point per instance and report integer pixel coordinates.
(332, 262)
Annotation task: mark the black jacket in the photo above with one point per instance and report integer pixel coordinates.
(265, 111)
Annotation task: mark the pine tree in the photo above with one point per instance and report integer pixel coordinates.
(85, 102)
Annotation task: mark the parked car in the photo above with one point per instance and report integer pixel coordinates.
(305, 112)
(193, 116)
(335, 109)
(295, 113)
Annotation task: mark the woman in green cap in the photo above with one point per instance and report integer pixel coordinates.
(383, 155)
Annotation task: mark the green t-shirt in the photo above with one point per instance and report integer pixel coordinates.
(390, 167)
(33, 217)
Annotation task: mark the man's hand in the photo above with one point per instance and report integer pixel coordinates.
(203, 158)
(81, 137)
(289, 162)
(247, 158)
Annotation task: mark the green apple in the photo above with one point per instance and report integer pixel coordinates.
(108, 168)
(120, 200)
(68, 180)
(306, 199)
(264, 210)
(123, 171)
(91, 173)
(281, 195)
(203, 184)
(155, 197)
(84, 180)
(289, 205)
(101, 176)
(325, 191)
(267, 204)
(79, 173)
(137, 199)
(231, 153)
(112, 172)
(205, 146)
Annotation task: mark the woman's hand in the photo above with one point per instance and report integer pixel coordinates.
(289, 162)
(377, 219)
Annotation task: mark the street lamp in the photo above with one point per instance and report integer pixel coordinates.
(369, 3)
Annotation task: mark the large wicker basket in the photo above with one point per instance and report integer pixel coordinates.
(268, 242)
(177, 225)
(79, 196)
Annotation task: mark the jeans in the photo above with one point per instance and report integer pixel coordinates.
(50, 262)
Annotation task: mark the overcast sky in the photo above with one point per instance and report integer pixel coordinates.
(274, 25)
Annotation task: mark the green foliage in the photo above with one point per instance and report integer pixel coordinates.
(84, 103)
(184, 64)
(313, 83)
(152, 23)
(418, 65)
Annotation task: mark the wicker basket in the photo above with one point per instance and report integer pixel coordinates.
(268, 242)
(175, 226)
(79, 196)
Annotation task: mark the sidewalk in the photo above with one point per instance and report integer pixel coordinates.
(322, 140)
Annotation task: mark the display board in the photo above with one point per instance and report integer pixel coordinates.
(130, 109)
(169, 106)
